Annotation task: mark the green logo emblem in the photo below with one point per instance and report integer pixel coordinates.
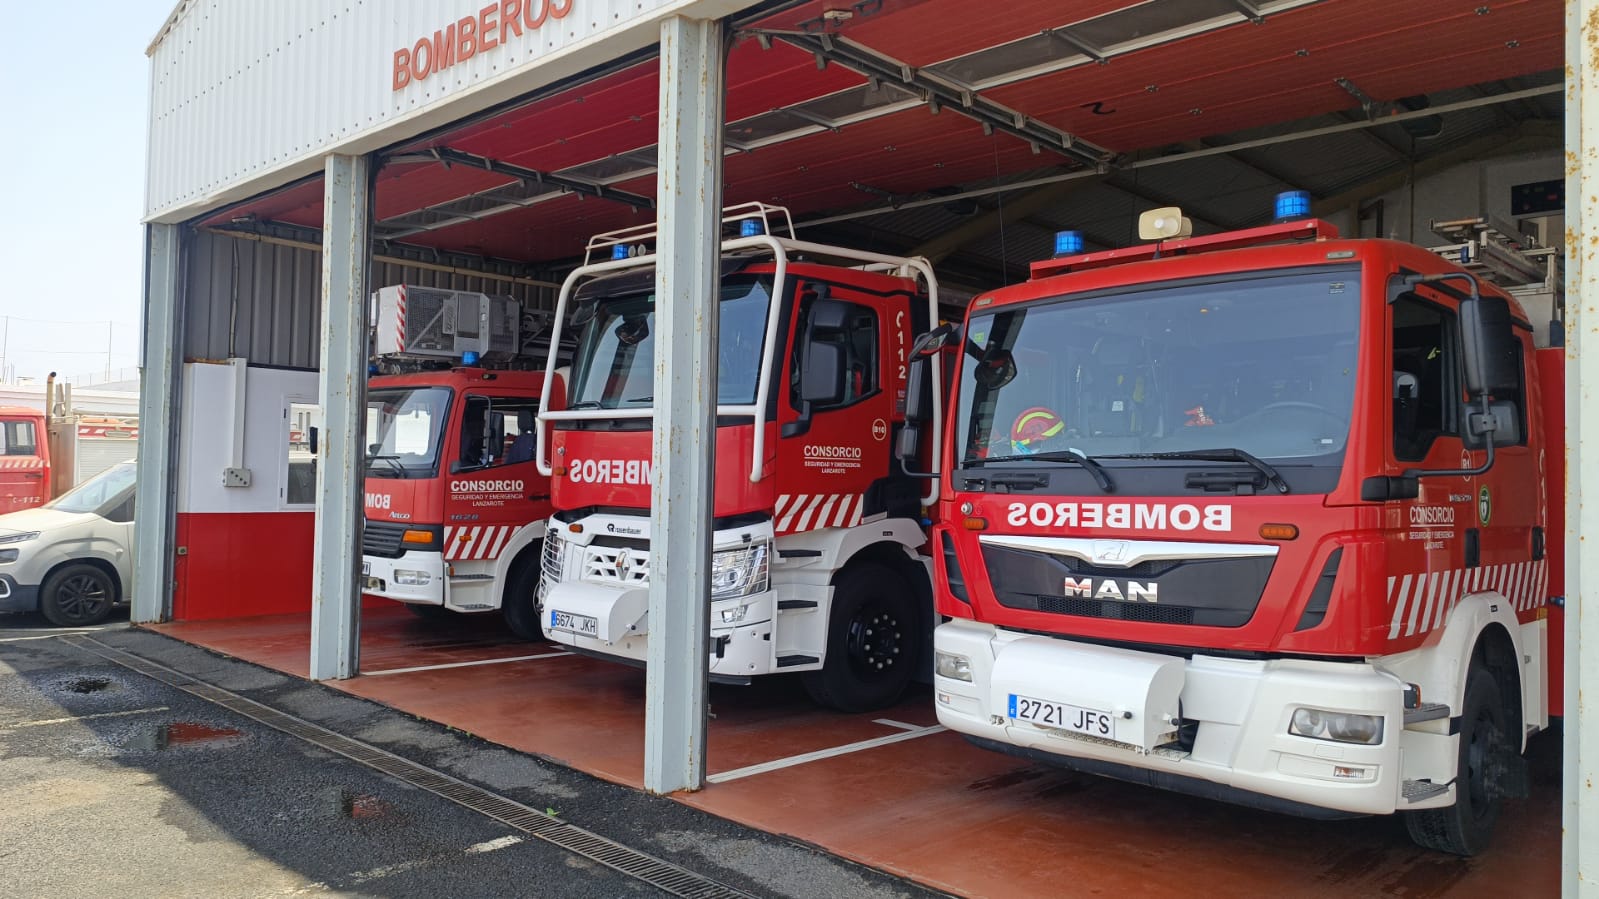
(1485, 506)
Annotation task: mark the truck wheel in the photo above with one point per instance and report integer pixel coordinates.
(1465, 827)
(77, 596)
(872, 640)
(519, 604)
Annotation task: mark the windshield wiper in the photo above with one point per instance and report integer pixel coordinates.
(1101, 476)
(640, 399)
(584, 404)
(1220, 454)
(394, 462)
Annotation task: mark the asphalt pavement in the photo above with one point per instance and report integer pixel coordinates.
(116, 784)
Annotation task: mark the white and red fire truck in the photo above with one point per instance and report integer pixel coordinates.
(455, 504)
(1266, 516)
(817, 563)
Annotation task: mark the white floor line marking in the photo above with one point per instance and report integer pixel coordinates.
(820, 754)
(492, 845)
(546, 655)
(71, 633)
(890, 722)
(42, 723)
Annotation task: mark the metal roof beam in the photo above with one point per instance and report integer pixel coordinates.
(448, 156)
(944, 95)
(1035, 201)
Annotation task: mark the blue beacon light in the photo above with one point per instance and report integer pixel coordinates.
(619, 251)
(469, 358)
(1291, 205)
(750, 228)
(1068, 242)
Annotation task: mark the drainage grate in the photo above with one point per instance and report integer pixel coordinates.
(654, 871)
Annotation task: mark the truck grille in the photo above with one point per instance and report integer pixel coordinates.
(1207, 592)
(626, 565)
(1121, 611)
(382, 539)
(552, 563)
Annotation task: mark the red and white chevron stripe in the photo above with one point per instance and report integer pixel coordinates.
(399, 322)
(20, 462)
(477, 542)
(1422, 602)
(810, 511)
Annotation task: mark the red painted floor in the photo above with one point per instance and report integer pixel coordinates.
(929, 807)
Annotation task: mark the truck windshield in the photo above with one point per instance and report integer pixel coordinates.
(404, 427)
(615, 365)
(1262, 363)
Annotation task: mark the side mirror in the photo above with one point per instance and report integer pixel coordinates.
(918, 398)
(1500, 424)
(822, 380)
(1488, 346)
(994, 370)
(583, 311)
(932, 341)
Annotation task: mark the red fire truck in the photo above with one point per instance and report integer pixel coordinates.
(1266, 516)
(455, 504)
(817, 563)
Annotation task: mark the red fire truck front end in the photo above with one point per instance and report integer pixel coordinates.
(1258, 516)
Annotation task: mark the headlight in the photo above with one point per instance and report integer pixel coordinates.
(1337, 726)
(736, 614)
(18, 538)
(410, 578)
(739, 572)
(952, 666)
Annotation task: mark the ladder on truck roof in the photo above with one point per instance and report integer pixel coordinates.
(1498, 253)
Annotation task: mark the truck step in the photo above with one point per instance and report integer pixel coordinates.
(787, 605)
(473, 607)
(790, 661)
(1417, 790)
(1427, 711)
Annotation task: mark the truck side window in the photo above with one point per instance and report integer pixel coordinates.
(497, 430)
(1425, 380)
(858, 345)
(20, 439)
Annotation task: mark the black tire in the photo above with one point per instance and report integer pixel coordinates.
(520, 604)
(427, 613)
(77, 595)
(1466, 827)
(873, 639)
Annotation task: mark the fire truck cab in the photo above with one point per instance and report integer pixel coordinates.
(1267, 516)
(817, 563)
(455, 504)
(24, 459)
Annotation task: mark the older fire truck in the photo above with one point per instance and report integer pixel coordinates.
(1266, 516)
(455, 504)
(816, 558)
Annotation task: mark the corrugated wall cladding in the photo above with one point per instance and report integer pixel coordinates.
(245, 96)
(262, 301)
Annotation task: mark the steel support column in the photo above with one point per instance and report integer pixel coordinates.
(689, 228)
(346, 247)
(1580, 843)
(160, 372)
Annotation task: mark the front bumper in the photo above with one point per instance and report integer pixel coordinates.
(1242, 710)
(589, 586)
(378, 577)
(15, 597)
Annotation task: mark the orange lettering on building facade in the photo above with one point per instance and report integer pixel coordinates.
(461, 40)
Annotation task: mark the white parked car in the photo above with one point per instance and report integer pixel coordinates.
(72, 558)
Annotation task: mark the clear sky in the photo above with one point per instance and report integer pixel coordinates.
(72, 183)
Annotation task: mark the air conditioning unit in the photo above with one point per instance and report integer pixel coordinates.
(430, 323)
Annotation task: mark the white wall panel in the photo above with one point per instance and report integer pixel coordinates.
(246, 96)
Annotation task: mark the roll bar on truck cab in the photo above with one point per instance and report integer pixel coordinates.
(1264, 516)
(817, 562)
